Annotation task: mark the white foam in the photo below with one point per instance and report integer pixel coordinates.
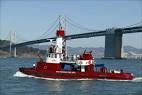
(20, 74)
(137, 79)
(111, 80)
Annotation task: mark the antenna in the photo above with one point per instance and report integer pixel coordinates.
(65, 28)
(60, 26)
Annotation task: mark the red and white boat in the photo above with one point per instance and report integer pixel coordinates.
(58, 65)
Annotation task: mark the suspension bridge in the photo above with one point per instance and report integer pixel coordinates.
(113, 38)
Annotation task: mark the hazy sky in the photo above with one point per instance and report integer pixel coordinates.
(31, 18)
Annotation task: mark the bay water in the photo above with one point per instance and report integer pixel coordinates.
(12, 82)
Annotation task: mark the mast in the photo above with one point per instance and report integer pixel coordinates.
(60, 25)
(65, 41)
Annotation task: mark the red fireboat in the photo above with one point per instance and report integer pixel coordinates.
(59, 65)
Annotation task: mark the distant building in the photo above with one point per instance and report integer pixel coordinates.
(134, 55)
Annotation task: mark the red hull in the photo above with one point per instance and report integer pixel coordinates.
(76, 75)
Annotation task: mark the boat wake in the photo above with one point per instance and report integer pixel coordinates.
(137, 79)
(20, 74)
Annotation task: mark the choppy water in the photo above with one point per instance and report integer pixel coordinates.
(15, 83)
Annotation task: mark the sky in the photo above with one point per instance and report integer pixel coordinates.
(31, 18)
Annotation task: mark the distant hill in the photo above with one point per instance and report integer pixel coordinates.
(34, 50)
(24, 51)
(3, 53)
(97, 51)
(4, 43)
(132, 49)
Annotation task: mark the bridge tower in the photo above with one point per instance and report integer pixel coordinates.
(12, 41)
(113, 43)
(15, 54)
(10, 44)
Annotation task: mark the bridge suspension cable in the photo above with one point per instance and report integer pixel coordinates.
(49, 30)
(136, 24)
(73, 23)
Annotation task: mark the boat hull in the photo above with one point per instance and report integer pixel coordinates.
(76, 75)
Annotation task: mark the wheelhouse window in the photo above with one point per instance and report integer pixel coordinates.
(55, 55)
(48, 55)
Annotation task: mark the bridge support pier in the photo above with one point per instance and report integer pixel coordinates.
(15, 52)
(113, 44)
(12, 50)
